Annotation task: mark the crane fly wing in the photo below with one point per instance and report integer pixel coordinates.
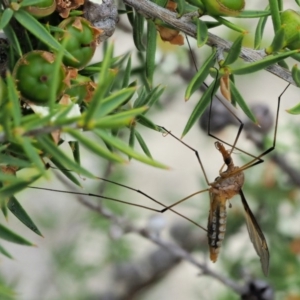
(256, 235)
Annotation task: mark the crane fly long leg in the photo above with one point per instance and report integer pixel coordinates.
(257, 237)
(254, 161)
(122, 201)
(184, 199)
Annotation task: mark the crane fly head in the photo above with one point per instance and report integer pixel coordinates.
(225, 153)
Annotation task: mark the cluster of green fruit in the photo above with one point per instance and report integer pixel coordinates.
(34, 72)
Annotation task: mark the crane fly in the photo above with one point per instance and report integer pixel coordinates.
(228, 184)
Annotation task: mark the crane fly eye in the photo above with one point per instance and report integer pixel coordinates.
(227, 160)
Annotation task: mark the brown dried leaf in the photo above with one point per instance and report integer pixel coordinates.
(170, 35)
(90, 88)
(77, 24)
(63, 7)
(71, 73)
(9, 169)
(49, 57)
(225, 87)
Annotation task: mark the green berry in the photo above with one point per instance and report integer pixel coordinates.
(34, 76)
(290, 19)
(80, 39)
(82, 89)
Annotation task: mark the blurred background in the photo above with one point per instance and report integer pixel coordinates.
(85, 256)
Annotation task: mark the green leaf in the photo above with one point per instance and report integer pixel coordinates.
(151, 50)
(201, 105)
(96, 101)
(143, 144)
(95, 69)
(95, 147)
(154, 95)
(50, 148)
(253, 14)
(141, 97)
(275, 14)
(230, 25)
(199, 78)
(161, 3)
(180, 7)
(131, 139)
(262, 64)
(202, 33)
(241, 102)
(294, 110)
(65, 171)
(14, 99)
(278, 41)
(16, 208)
(8, 235)
(6, 17)
(130, 15)
(138, 31)
(197, 3)
(127, 72)
(296, 74)
(55, 83)
(259, 31)
(35, 27)
(7, 254)
(13, 39)
(75, 150)
(4, 211)
(16, 186)
(119, 119)
(146, 122)
(283, 64)
(120, 145)
(234, 51)
(115, 100)
(148, 99)
(14, 161)
(32, 154)
(25, 3)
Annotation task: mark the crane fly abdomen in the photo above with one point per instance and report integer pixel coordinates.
(216, 226)
(222, 189)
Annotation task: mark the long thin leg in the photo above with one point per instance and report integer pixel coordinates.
(121, 201)
(238, 133)
(195, 151)
(257, 160)
(230, 111)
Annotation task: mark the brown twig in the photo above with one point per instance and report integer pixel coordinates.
(152, 11)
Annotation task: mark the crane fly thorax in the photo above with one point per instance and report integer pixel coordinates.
(228, 185)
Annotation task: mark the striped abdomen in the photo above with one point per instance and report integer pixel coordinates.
(216, 225)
